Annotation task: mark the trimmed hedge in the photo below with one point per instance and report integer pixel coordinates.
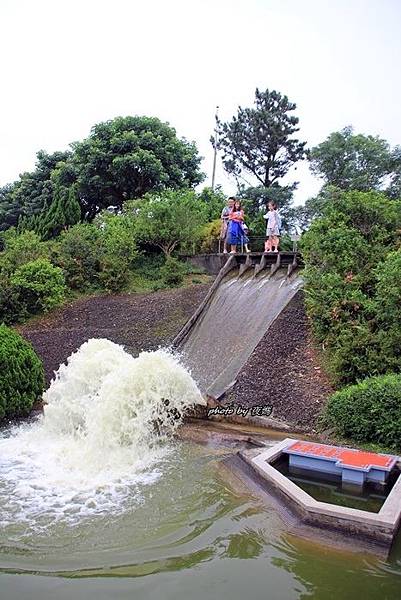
(369, 411)
(21, 374)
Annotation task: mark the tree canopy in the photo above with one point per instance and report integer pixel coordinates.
(355, 161)
(121, 159)
(259, 141)
(129, 156)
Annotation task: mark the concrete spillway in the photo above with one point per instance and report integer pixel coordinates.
(235, 317)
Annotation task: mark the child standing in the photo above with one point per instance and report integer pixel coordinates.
(245, 240)
(272, 228)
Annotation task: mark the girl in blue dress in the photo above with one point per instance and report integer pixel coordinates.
(236, 234)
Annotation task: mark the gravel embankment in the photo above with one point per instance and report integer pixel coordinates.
(137, 321)
(284, 371)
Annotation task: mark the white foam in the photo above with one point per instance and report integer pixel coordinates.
(96, 442)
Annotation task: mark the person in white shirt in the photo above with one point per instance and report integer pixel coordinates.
(272, 228)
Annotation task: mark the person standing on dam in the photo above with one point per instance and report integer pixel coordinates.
(225, 222)
(236, 233)
(272, 228)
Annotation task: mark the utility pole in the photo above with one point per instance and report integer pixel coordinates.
(215, 149)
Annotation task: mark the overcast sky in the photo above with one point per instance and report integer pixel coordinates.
(67, 65)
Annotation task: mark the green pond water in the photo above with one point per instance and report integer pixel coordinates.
(185, 534)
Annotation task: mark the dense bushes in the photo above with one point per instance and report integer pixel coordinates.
(368, 412)
(21, 374)
(209, 237)
(78, 253)
(32, 288)
(11, 310)
(19, 249)
(97, 255)
(35, 276)
(346, 287)
(353, 289)
(106, 255)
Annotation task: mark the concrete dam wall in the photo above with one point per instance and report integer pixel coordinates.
(219, 339)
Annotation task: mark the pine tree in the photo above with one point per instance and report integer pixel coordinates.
(53, 221)
(259, 141)
(72, 208)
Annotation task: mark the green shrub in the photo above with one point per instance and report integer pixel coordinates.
(173, 272)
(372, 214)
(157, 286)
(78, 253)
(118, 237)
(194, 269)
(333, 246)
(12, 310)
(209, 237)
(388, 291)
(354, 354)
(114, 274)
(368, 412)
(40, 285)
(388, 311)
(148, 266)
(21, 374)
(20, 249)
(286, 244)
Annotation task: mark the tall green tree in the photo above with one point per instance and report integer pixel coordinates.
(10, 210)
(353, 161)
(72, 208)
(394, 188)
(121, 159)
(129, 156)
(259, 141)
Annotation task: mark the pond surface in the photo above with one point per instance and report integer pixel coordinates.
(95, 504)
(181, 532)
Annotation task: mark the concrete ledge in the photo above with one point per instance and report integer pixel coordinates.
(379, 527)
(213, 263)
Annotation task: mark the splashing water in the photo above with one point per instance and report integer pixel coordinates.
(98, 437)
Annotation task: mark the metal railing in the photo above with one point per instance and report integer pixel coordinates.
(256, 244)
